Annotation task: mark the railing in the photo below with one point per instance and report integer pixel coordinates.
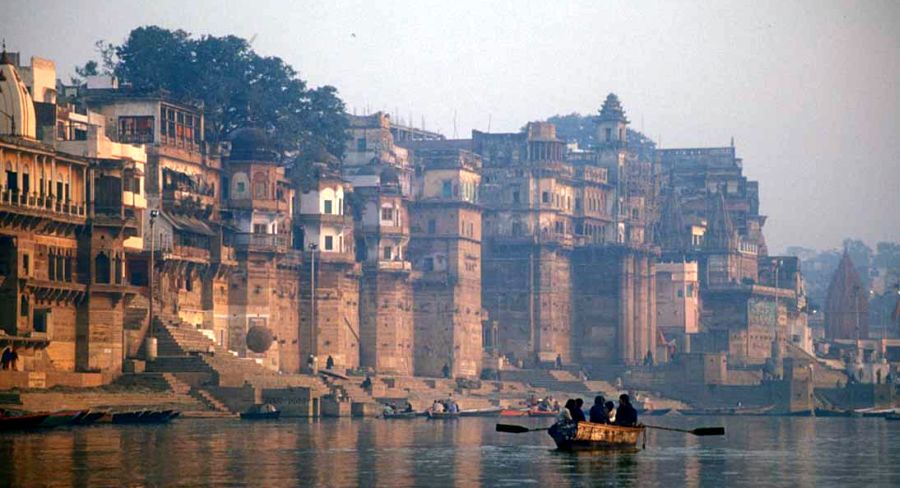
(260, 242)
(40, 202)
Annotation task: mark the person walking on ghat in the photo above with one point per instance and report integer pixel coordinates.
(446, 370)
(329, 363)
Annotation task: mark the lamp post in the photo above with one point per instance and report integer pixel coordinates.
(313, 329)
(151, 338)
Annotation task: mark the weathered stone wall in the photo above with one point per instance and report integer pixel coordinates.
(386, 321)
(336, 331)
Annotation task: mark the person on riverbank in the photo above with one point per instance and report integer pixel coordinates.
(446, 370)
(598, 413)
(626, 415)
(329, 363)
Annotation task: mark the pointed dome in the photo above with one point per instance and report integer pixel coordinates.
(719, 230)
(17, 115)
(612, 110)
(847, 304)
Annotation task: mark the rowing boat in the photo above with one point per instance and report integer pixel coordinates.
(442, 415)
(401, 415)
(510, 412)
(481, 412)
(542, 413)
(587, 436)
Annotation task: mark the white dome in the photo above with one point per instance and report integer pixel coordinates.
(16, 105)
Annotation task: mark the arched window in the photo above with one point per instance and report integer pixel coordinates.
(23, 306)
(101, 268)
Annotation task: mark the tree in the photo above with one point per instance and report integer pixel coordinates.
(236, 86)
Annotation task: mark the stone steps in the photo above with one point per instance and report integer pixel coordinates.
(209, 400)
(176, 385)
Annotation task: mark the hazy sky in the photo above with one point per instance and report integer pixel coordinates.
(808, 90)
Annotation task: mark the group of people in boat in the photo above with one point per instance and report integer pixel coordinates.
(448, 405)
(602, 412)
(391, 409)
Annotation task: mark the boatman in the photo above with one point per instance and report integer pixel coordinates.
(626, 415)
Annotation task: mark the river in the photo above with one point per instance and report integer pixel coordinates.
(756, 451)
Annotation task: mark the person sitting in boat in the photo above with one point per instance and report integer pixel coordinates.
(408, 408)
(565, 415)
(574, 411)
(578, 414)
(611, 411)
(453, 407)
(544, 405)
(367, 383)
(388, 410)
(437, 407)
(626, 414)
(555, 405)
(598, 413)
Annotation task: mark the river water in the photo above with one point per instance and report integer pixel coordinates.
(756, 451)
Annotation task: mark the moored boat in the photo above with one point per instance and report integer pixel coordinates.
(511, 412)
(264, 411)
(21, 422)
(64, 417)
(655, 412)
(541, 413)
(481, 412)
(727, 411)
(89, 417)
(892, 416)
(401, 415)
(587, 436)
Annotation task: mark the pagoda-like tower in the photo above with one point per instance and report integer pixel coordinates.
(846, 307)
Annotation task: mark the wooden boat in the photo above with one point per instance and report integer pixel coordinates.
(64, 417)
(892, 416)
(542, 413)
(510, 412)
(587, 436)
(400, 415)
(22, 422)
(825, 412)
(727, 411)
(442, 415)
(875, 412)
(144, 417)
(481, 412)
(264, 411)
(655, 412)
(89, 417)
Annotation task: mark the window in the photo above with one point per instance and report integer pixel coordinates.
(260, 229)
(40, 320)
(545, 197)
(447, 189)
(328, 205)
(259, 189)
(23, 310)
(329, 243)
(189, 283)
(136, 130)
(517, 228)
(515, 196)
(361, 144)
(387, 252)
(241, 187)
(432, 226)
(608, 134)
(387, 213)
(26, 264)
(101, 268)
(178, 127)
(428, 264)
(680, 293)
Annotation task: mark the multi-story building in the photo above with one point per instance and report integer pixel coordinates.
(380, 173)
(264, 293)
(329, 279)
(445, 250)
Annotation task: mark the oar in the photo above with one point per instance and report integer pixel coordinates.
(517, 429)
(701, 431)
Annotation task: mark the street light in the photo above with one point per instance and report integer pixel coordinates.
(151, 339)
(313, 339)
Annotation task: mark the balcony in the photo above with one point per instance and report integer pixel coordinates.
(394, 266)
(246, 241)
(41, 206)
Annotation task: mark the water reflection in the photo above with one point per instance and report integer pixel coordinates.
(757, 451)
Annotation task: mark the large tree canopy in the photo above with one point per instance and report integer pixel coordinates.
(237, 87)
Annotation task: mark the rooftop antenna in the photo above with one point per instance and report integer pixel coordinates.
(732, 142)
(455, 135)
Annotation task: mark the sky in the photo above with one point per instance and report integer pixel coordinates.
(808, 90)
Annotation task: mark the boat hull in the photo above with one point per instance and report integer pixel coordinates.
(401, 415)
(442, 416)
(261, 415)
(482, 412)
(588, 436)
(22, 422)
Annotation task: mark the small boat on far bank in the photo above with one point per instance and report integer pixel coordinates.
(481, 412)
(262, 411)
(401, 415)
(513, 412)
(21, 422)
(542, 413)
(727, 411)
(442, 415)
